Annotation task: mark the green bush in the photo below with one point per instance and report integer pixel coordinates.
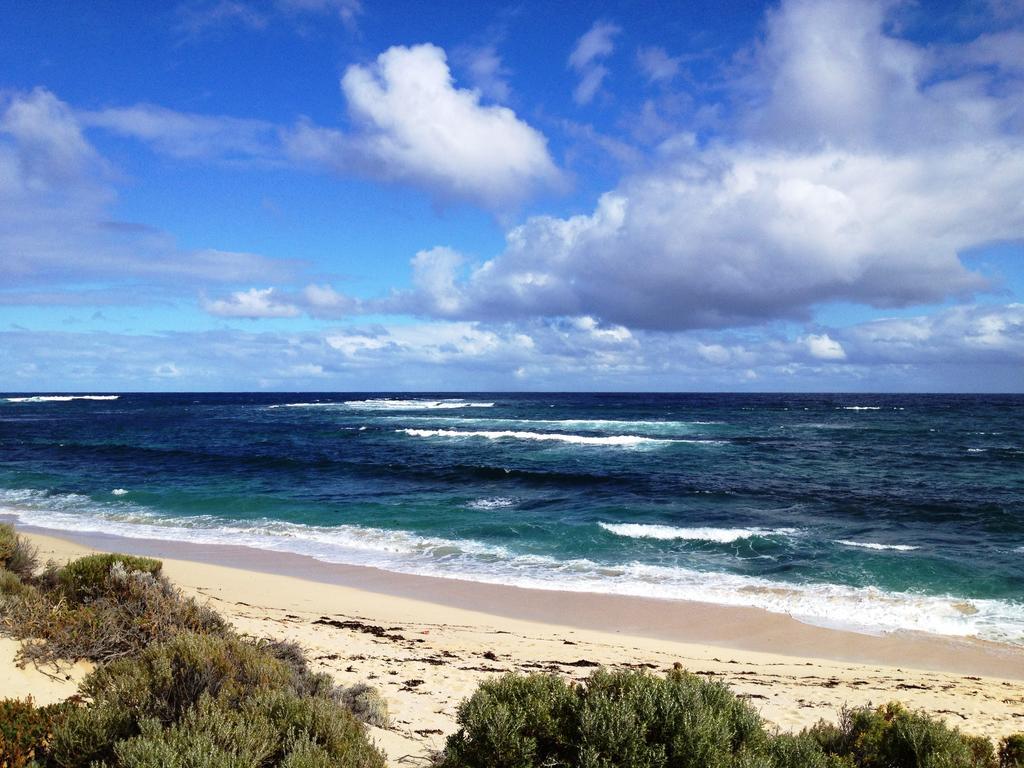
(514, 721)
(367, 704)
(273, 729)
(305, 681)
(1011, 751)
(635, 720)
(627, 719)
(99, 608)
(362, 700)
(12, 587)
(25, 731)
(222, 699)
(89, 578)
(891, 736)
(17, 555)
(165, 680)
(796, 751)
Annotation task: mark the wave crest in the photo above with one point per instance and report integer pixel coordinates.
(672, 533)
(59, 398)
(876, 546)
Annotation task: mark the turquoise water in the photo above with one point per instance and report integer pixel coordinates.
(876, 513)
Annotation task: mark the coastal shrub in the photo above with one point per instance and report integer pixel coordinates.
(367, 704)
(25, 731)
(617, 719)
(362, 700)
(983, 753)
(513, 721)
(17, 554)
(1011, 751)
(305, 681)
(11, 586)
(102, 607)
(784, 750)
(89, 578)
(892, 736)
(205, 700)
(636, 720)
(165, 680)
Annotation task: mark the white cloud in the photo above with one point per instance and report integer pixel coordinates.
(410, 123)
(595, 45)
(57, 228)
(414, 125)
(963, 348)
(197, 17)
(824, 347)
(254, 303)
(714, 353)
(961, 334)
(347, 11)
(875, 175)
(829, 74)
(486, 71)
(434, 277)
(656, 64)
(324, 301)
(190, 136)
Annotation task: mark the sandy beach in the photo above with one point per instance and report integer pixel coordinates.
(427, 643)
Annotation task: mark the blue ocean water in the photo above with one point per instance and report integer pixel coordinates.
(873, 512)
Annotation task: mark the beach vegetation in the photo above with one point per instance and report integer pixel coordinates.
(17, 554)
(1011, 751)
(893, 735)
(367, 704)
(615, 719)
(100, 607)
(25, 731)
(635, 719)
(207, 700)
(94, 576)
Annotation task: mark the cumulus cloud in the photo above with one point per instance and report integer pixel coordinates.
(410, 124)
(926, 352)
(413, 124)
(848, 182)
(824, 347)
(963, 334)
(592, 48)
(254, 303)
(828, 74)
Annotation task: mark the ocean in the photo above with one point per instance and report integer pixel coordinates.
(873, 513)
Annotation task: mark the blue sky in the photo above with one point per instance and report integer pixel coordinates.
(359, 195)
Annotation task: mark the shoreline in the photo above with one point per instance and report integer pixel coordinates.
(725, 627)
(426, 656)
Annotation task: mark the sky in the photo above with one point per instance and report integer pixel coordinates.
(359, 195)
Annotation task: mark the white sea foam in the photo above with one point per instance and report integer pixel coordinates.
(119, 491)
(858, 608)
(861, 407)
(390, 404)
(500, 502)
(387, 404)
(505, 434)
(596, 425)
(673, 533)
(874, 545)
(59, 398)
